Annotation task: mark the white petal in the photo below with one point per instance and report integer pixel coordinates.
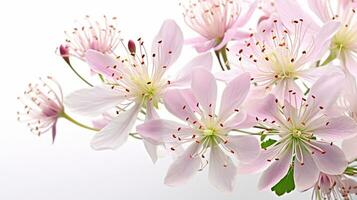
(222, 171)
(117, 131)
(93, 101)
(306, 174)
(349, 148)
(246, 148)
(276, 171)
(184, 167)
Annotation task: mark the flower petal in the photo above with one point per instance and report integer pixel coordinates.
(259, 164)
(277, 170)
(204, 88)
(101, 63)
(151, 148)
(326, 90)
(246, 147)
(167, 44)
(306, 173)
(117, 131)
(349, 148)
(184, 167)
(331, 160)
(234, 94)
(185, 75)
(222, 171)
(320, 8)
(93, 101)
(337, 128)
(180, 103)
(161, 130)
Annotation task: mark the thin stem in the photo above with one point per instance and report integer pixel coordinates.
(101, 78)
(69, 118)
(83, 79)
(134, 135)
(219, 60)
(223, 52)
(247, 132)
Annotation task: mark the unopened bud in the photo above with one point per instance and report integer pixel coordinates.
(64, 52)
(132, 47)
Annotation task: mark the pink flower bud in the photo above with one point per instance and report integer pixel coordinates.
(64, 52)
(132, 47)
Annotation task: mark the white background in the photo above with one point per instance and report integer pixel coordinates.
(30, 166)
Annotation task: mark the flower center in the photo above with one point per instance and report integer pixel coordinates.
(296, 133)
(343, 40)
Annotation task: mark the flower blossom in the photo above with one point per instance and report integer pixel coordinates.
(205, 130)
(334, 187)
(133, 84)
(43, 105)
(305, 130)
(279, 57)
(217, 22)
(92, 35)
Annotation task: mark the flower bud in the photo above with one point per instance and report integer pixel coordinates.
(64, 52)
(132, 47)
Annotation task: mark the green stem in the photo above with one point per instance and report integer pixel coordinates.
(247, 132)
(219, 60)
(101, 78)
(83, 79)
(69, 118)
(223, 52)
(134, 135)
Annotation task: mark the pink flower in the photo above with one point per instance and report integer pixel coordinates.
(304, 130)
(334, 187)
(278, 57)
(206, 130)
(348, 104)
(91, 35)
(217, 22)
(42, 106)
(133, 83)
(344, 43)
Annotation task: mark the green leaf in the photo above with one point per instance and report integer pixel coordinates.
(286, 184)
(267, 143)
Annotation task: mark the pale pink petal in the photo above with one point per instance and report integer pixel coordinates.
(306, 173)
(184, 167)
(264, 108)
(180, 103)
(350, 62)
(161, 130)
(331, 160)
(246, 148)
(204, 46)
(185, 75)
(234, 94)
(204, 88)
(349, 147)
(322, 42)
(321, 9)
(93, 101)
(222, 171)
(101, 63)
(151, 149)
(325, 91)
(117, 131)
(151, 112)
(277, 170)
(289, 10)
(245, 17)
(167, 44)
(258, 164)
(227, 76)
(337, 128)
(195, 40)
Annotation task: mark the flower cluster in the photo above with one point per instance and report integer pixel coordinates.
(286, 85)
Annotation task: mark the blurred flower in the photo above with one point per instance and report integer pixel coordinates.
(43, 105)
(133, 84)
(304, 131)
(217, 22)
(206, 130)
(91, 35)
(277, 57)
(344, 42)
(334, 187)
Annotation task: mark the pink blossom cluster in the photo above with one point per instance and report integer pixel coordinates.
(281, 98)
